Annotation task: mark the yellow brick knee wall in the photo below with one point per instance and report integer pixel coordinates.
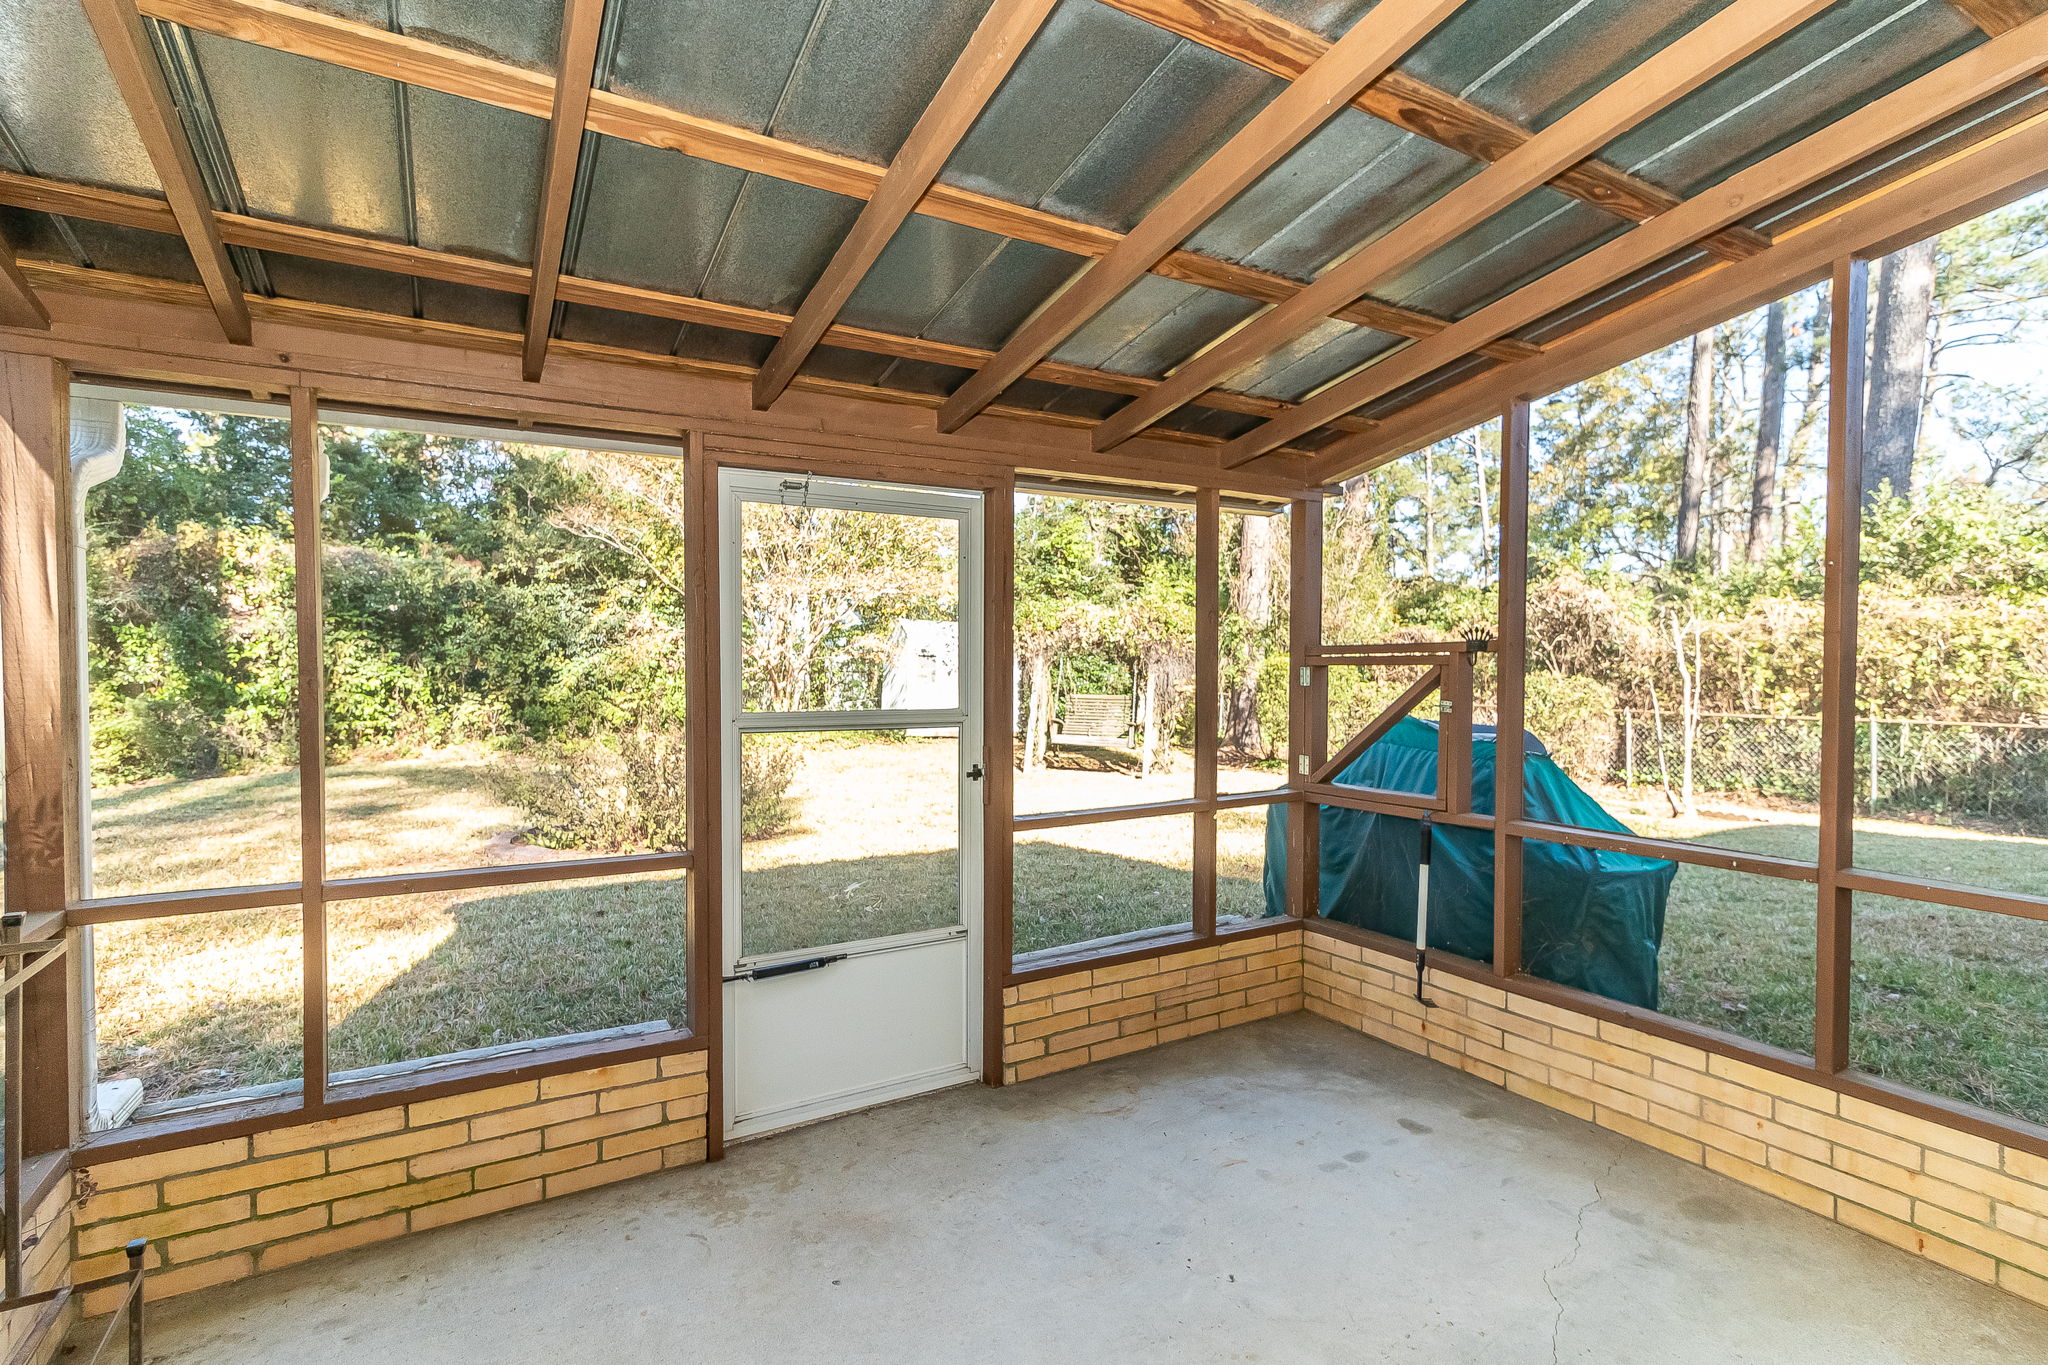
(224, 1210)
(1091, 1014)
(1964, 1201)
(32, 1335)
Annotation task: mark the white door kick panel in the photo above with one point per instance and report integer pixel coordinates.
(877, 1020)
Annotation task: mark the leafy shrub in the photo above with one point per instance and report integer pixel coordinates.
(620, 794)
(1574, 717)
(767, 771)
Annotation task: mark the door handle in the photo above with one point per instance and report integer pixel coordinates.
(809, 964)
(974, 774)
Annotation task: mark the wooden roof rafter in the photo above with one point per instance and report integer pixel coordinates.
(2013, 56)
(1369, 50)
(1240, 29)
(20, 306)
(1740, 30)
(582, 25)
(1931, 198)
(998, 41)
(118, 26)
(413, 61)
(151, 215)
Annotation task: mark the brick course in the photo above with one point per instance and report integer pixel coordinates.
(1093, 1014)
(224, 1210)
(1965, 1202)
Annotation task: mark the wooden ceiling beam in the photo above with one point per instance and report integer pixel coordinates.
(1997, 16)
(1239, 29)
(1981, 72)
(140, 79)
(400, 57)
(998, 41)
(139, 211)
(1683, 66)
(582, 23)
(110, 284)
(1368, 51)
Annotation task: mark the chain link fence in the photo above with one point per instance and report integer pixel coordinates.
(1904, 766)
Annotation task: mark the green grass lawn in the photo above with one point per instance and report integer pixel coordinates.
(1953, 1001)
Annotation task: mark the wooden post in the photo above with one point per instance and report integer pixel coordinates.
(999, 730)
(1848, 303)
(703, 685)
(1208, 659)
(1511, 661)
(1308, 701)
(1454, 734)
(42, 717)
(308, 536)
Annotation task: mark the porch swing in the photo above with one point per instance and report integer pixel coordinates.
(1093, 720)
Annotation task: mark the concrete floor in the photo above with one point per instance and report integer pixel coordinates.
(1286, 1191)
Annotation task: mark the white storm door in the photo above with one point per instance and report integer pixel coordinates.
(853, 806)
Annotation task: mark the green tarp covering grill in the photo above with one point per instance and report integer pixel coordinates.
(1590, 919)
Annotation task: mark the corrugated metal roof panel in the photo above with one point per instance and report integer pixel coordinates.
(1354, 179)
(1534, 63)
(880, 371)
(775, 244)
(309, 142)
(661, 220)
(1153, 326)
(957, 284)
(60, 114)
(652, 218)
(319, 144)
(848, 76)
(103, 246)
(605, 327)
(1103, 115)
(1314, 360)
(476, 175)
(527, 32)
(1538, 232)
(722, 344)
(350, 286)
(1848, 55)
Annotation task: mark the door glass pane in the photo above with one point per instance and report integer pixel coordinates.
(844, 610)
(847, 835)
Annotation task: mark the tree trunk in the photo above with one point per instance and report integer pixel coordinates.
(1251, 596)
(1770, 433)
(1898, 369)
(1038, 714)
(1429, 512)
(1699, 421)
(1148, 735)
(1485, 516)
